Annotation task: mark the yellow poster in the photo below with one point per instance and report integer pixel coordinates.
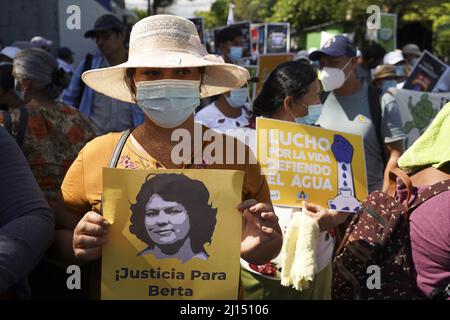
(266, 64)
(307, 163)
(174, 234)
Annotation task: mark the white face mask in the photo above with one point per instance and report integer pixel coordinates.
(333, 78)
(168, 103)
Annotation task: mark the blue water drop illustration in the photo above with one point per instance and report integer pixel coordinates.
(344, 175)
(344, 167)
(345, 183)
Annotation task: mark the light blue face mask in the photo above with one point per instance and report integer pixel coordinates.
(314, 112)
(237, 98)
(389, 84)
(168, 103)
(399, 71)
(236, 54)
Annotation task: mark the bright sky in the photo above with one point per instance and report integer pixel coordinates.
(184, 8)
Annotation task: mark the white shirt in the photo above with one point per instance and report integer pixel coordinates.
(211, 117)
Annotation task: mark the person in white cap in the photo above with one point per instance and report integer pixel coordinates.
(396, 59)
(41, 42)
(167, 72)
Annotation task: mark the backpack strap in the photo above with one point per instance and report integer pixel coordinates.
(118, 149)
(429, 193)
(87, 66)
(392, 176)
(374, 95)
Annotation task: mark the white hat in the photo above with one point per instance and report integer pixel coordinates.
(41, 42)
(166, 41)
(393, 57)
(10, 52)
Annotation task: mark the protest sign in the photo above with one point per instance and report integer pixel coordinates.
(309, 163)
(278, 37)
(387, 34)
(273, 38)
(174, 234)
(200, 25)
(268, 62)
(426, 73)
(417, 110)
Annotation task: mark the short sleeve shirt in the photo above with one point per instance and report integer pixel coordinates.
(351, 114)
(213, 118)
(108, 114)
(82, 186)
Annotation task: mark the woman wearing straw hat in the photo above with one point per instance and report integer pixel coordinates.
(167, 73)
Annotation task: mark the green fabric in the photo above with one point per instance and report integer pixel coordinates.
(257, 287)
(433, 146)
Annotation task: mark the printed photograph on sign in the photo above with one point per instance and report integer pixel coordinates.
(169, 222)
(426, 73)
(307, 163)
(174, 234)
(278, 37)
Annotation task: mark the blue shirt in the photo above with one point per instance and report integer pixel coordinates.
(86, 106)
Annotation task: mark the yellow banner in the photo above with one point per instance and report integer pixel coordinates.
(309, 163)
(174, 234)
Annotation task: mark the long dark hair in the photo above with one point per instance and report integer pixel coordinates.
(291, 78)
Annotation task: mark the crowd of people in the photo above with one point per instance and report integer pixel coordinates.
(61, 124)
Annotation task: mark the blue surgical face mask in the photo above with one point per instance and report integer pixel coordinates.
(168, 103)
(237, 98)
(399, 71)
(236, 54)
(389, 84)
(314, 112)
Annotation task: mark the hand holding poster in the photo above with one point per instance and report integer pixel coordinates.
(174, 234)
(321, 166)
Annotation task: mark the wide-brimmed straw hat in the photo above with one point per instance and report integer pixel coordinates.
(166, 41)
(384, 71)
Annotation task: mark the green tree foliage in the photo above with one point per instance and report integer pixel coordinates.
(306, 13)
